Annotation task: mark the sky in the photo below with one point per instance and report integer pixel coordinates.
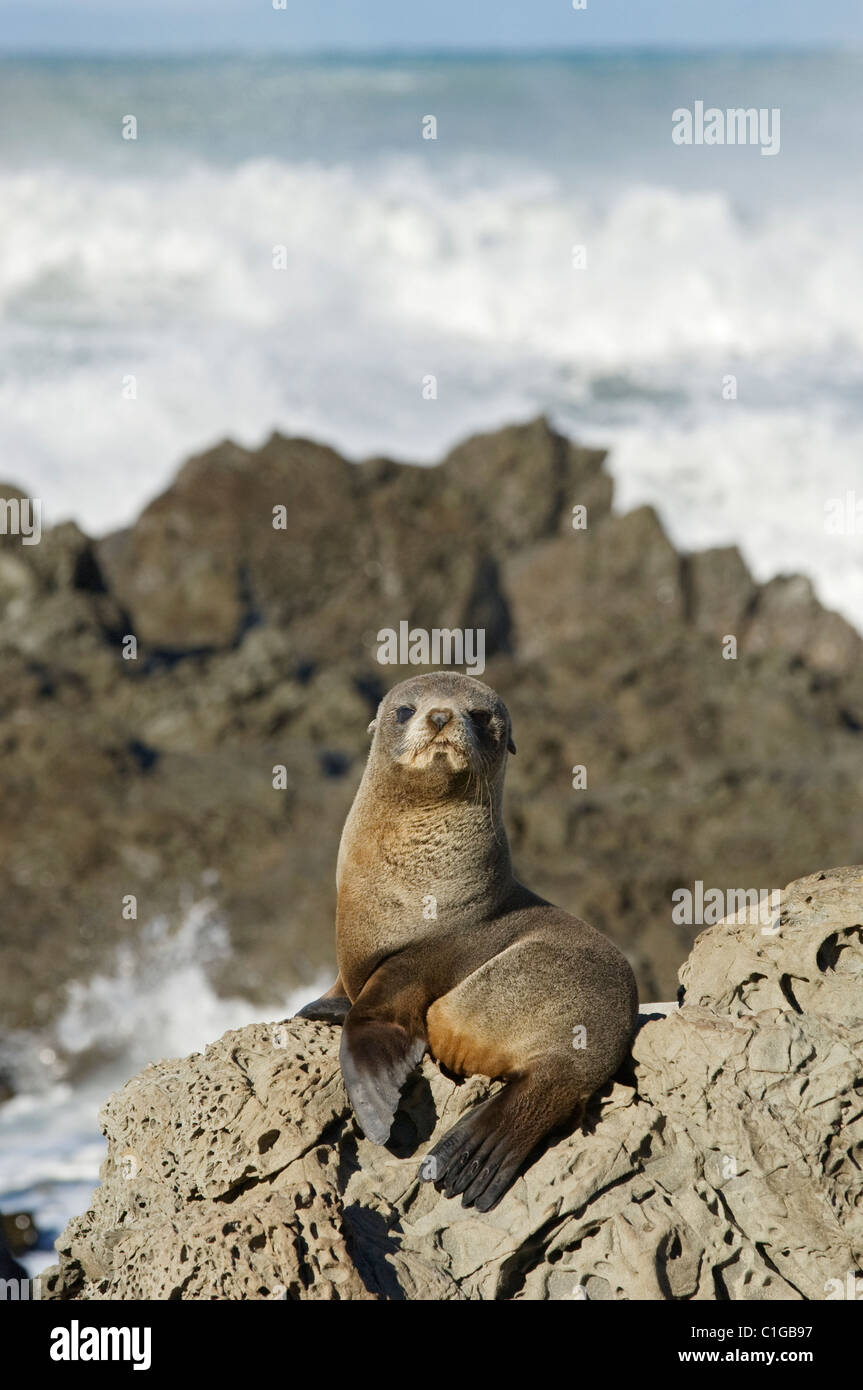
(151, 26)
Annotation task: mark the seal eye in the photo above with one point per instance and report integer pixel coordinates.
(482, 717)
(404, 713)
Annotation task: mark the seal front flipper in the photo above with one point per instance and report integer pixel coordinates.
(377, 1058)
(383, 1040)
(332, 1007)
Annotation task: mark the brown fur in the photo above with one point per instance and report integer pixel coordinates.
(496, 979)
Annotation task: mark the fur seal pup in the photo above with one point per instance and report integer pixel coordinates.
(441, 948)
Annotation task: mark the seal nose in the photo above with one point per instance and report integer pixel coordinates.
(439, 717)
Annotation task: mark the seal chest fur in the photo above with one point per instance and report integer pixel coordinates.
(440, 948)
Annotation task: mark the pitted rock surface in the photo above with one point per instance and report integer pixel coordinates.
(724, 1161)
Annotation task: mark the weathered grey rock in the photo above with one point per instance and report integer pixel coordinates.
(787, 616)
(807, 958)
(204, 558)
(723, 1162)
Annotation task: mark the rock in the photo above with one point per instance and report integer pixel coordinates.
(524, 481)
(788, 617)
(807, 957)
(720, 591)
(151, 776)
(722, 1162)
(204, 559)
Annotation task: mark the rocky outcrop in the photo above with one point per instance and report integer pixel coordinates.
(724, 1161)
(152, 778)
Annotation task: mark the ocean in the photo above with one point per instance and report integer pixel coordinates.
(153, 1002)
(143, 318)
(407, 257)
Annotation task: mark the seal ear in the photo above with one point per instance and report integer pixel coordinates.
(510, 745)
(372, 726)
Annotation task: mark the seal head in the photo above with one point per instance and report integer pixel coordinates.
(447, 724)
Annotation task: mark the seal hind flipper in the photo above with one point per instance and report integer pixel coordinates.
(332, 1007)
(481, 1156)
(376, 1059)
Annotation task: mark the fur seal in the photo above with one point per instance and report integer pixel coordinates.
(441, 948)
